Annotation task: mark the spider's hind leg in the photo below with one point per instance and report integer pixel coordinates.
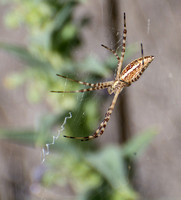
(102, 125)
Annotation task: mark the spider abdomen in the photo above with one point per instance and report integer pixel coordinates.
(134, 70)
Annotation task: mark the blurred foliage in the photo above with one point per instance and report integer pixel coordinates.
(53, 35)
(91, 174)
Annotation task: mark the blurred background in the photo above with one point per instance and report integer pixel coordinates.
(139, 155)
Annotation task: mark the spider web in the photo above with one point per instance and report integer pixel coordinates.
(46, 150)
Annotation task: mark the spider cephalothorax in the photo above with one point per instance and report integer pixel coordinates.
(117, 85)
(129, 74)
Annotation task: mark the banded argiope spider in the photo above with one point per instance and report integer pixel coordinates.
(124, 78)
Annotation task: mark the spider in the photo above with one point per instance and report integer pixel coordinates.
(124, 78)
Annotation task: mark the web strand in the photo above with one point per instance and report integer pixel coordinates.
(46, 149)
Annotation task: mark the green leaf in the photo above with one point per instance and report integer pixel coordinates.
(23, 54)
(20, 136)
(63, 15)
(137, 144)
(110, 164)
(93, 65)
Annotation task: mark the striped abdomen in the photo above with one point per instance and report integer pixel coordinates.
(134, 70)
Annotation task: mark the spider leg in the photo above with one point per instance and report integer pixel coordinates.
(142, 55)
(114, 52)
(103, 124)
(123, 49)
(96, 86)
(83, 90)
(80, 82)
